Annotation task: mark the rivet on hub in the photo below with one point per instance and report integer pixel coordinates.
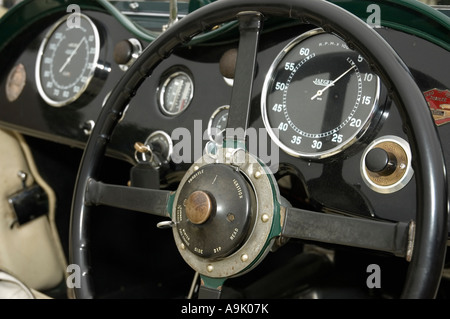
(265, 218)
(244, 257)
(210, 268)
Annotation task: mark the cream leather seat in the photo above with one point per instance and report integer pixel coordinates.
(12, 288)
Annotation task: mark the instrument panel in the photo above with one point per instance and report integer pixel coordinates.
(317, 99)
(318, 96)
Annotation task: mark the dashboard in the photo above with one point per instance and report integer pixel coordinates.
(335, 139)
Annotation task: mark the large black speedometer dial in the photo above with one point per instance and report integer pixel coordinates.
(67, 61)
(319, 96)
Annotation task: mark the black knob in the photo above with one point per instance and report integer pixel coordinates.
(380, 161)
(227, 63)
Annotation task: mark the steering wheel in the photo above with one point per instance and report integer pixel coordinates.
(264, 216)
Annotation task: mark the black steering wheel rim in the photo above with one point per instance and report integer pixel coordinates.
(424, 271)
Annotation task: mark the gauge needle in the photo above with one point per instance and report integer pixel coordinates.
(69, 58)
(320, 92)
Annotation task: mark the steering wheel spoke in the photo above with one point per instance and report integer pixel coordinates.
(151, 201)
(391, 237)
(250, 26)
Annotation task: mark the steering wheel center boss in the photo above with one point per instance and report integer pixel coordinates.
(225, 214)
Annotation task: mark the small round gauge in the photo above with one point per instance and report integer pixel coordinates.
(218, 122)
(176, 93)
(319, 96)
(67, 60)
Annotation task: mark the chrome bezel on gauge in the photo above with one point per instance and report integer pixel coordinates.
(93, 61)
(274, 134)
(163, 91)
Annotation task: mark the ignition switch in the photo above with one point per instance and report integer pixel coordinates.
(156, 150)
(152, 158)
